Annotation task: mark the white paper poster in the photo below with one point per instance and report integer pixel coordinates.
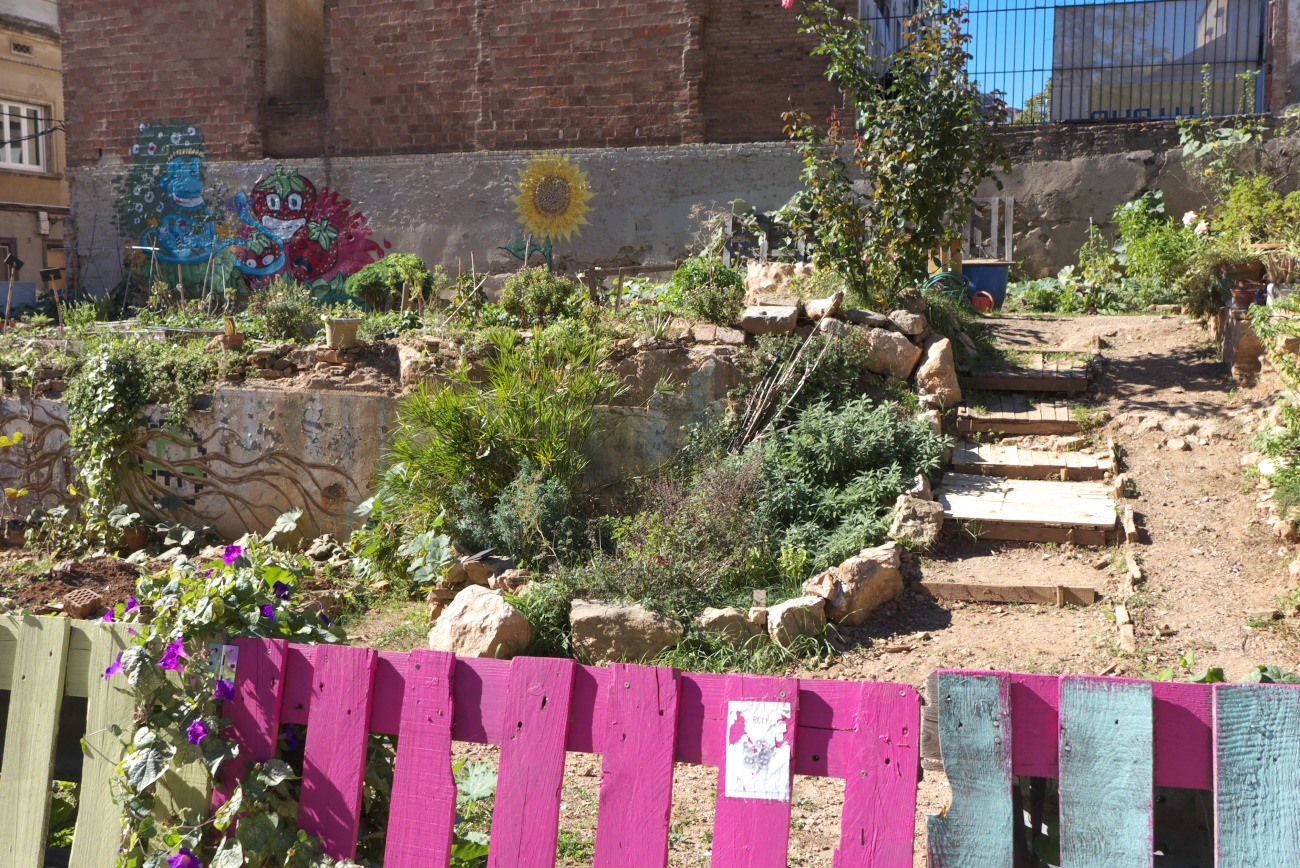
(758, 751)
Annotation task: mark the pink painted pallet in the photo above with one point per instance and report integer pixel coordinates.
(758, 732)
(1110, 742)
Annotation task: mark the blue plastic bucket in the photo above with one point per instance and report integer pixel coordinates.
(990, 277)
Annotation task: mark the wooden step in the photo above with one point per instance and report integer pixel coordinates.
(1029, 510)
(1017, 413)
(993, 459)
(1040, 373)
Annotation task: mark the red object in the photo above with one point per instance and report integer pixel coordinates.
(982, 302)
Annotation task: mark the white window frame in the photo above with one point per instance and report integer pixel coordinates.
(29, 150)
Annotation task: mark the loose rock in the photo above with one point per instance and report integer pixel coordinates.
(802, 616)
(891, 353)
(936, 376)
(821, 308)
(769, 320)
(730, 623)
(918, 520)
(620, 631)
(860, 585)
(909, 323)
(480, 623)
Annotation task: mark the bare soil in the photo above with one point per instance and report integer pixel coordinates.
(29, 590)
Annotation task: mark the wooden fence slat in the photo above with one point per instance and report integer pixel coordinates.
(751, 825)
(526, 815)
(877, 825)
(423, 813)
(636, 786)
(255, 711)
(110, 703)
(1107, 773)
(1256, 775)
(338, 733)
(975, 739)
(26, 772)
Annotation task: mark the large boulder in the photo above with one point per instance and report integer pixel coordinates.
(857, 587)
(936, 376)
(891, 353)
(802, 616)
(771, 320)
(480, 623)
(730, 623)
(620, 631)
(920, 521)
(476, 570)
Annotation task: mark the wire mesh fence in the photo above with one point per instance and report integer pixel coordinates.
(1056, 61)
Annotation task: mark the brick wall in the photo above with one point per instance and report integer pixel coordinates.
(128, 63)
(430, 76)
(421, 76)
(756, 66)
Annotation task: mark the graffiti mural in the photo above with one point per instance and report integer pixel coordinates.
(186, 230)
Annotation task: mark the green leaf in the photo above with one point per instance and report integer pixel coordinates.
(148, 764)
(229, 855)
(1213, 675)
(254, 832)
(476, 782)
(275, 772)
(227, 812)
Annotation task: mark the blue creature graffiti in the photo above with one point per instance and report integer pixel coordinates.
(281, 227)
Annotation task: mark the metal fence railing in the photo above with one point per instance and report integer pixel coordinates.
(1057, 61)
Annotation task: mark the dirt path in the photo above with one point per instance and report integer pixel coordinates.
(1206, 552)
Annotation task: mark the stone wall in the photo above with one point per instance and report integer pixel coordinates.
(260, 451)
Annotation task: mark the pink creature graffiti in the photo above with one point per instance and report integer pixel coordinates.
(310, 236)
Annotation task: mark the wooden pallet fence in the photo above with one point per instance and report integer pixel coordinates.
(758, 732)
(43, 660)
(1110, 741)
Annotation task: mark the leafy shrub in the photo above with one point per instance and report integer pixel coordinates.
(832, 476)
(705, 289)
(538, 297)
(380, 284)
(459, 448)
(1154, 250)
(1040, 296)
(287, 311)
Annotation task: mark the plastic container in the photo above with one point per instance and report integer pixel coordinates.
(341, 332)
(988, 275)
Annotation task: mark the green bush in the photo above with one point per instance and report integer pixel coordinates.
(287, 312)
(705, 289)
(1154, 250)
(538, 297)
(520, 427)
(379, 285)
(833, 476)
(1040, 296)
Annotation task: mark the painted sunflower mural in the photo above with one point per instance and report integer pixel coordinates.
(551, 203)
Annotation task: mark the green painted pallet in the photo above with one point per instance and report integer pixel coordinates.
(42, 660)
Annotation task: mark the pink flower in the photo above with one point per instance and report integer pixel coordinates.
(173, 654)
(114, 667)
(786, 4)
(233, 553)
(197, 731)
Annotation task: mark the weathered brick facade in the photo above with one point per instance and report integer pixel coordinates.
(186, 61)
(430, 76)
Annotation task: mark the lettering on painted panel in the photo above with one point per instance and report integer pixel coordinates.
(758, 750)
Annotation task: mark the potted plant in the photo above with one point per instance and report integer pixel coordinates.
(341, 324)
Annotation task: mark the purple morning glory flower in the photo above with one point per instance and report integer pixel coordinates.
(225, 690)
(233, 553)
(268, 611)
(282, 590)
(108, 616)
(184, 858)
(325, 619)
(197, 731)
(173, 654)
(132, 604)
(114, 667)
(291, 739)
(207, 574)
